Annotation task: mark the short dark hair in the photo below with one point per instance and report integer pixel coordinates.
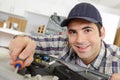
(99, 27)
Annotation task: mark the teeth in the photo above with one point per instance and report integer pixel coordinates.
(82, 46)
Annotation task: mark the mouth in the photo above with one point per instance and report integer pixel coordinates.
(82, 48)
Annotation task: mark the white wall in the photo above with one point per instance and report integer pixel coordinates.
(110, 22)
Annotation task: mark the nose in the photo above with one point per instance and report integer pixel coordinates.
(80, 38)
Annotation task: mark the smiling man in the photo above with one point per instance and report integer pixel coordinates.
(83, 45)
(84, 39)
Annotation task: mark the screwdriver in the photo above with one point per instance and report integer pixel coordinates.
(18, 64)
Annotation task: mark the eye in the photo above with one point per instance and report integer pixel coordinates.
(88, 30)
(72, 32)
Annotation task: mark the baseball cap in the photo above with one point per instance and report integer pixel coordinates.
(84, 11)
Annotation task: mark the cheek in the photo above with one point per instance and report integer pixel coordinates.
(95, 40)
(71, 40)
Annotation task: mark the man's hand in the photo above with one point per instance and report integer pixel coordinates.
(22, 47)
(115, 77)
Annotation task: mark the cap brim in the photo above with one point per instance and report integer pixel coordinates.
(66, 21)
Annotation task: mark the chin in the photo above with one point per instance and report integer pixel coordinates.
(82, 54)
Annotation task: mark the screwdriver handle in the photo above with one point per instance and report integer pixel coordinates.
(19, 63)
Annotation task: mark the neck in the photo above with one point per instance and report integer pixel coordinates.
(90, 59)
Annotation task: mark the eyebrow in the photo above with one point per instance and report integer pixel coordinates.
(71, 30)
(82, 28)
(87, 27)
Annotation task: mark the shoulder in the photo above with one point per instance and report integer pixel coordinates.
(113, 48)
(113, 52)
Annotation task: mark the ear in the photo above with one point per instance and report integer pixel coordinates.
(102, 32)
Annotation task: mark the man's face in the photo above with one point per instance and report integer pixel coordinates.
(85, 39)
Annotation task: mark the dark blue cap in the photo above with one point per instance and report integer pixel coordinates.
(84, 11)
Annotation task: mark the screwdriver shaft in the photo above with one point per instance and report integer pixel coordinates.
(16, 69)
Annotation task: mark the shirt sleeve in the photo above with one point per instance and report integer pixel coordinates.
(50, 44)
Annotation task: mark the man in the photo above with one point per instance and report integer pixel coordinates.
(84, 44)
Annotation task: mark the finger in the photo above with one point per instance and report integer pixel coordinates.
(17, 49)
(29, 50)
(29, 60)
(113, 77)
(17, 42)
(11, 62)
(11, 46)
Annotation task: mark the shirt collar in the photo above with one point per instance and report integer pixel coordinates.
(99, 59)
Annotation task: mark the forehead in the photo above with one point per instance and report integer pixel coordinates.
(79, 21)
(82, 22)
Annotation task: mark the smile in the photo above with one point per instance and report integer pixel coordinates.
(82, 48)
